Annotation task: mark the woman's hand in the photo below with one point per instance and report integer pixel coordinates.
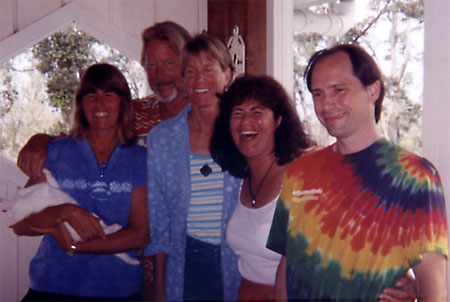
(82, 221)
(47, 220)
(406, 293)
(59, 233)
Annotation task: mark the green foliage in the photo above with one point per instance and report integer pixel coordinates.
(62, 58)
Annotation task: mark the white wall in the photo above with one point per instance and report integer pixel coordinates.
(436, 107)
(280, 38)
(118, 23)
(14, 252)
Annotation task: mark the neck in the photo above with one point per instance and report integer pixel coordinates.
(174, 107)
(356, 143)
(258, 167)
(201, 120)
(201, 124)
(264, 182)
(102, 144)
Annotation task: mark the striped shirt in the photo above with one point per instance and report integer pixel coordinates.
(205, 209)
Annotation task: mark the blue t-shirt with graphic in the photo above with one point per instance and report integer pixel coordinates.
(105, 191)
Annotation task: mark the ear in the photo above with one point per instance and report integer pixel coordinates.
(278, 121)
(228, 75)
(374, 91)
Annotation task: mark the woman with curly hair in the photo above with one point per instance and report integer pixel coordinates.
(256, 135)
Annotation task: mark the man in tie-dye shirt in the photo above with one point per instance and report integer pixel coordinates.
(353, 217)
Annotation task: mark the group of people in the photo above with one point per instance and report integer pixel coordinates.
(229, 202)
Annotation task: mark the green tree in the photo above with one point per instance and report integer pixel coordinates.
(62, 57)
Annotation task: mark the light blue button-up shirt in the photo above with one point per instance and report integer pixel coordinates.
(169, 191)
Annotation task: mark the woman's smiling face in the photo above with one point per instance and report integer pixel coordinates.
(252, 128)
(204, 79)
(102, 109)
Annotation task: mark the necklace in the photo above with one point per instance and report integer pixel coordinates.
(250, 191)
(101, 169)
(206, 170)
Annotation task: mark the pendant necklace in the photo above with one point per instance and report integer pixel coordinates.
(102, 168)
(206, 170)
(250, 191)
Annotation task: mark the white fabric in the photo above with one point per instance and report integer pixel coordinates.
(35, 198)
(247, 235)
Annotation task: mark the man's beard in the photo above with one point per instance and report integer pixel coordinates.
(176, 92)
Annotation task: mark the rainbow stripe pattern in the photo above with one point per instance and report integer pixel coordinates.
(351, 225)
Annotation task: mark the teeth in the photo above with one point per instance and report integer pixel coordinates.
(100, 114)
(201, 90)
(249, 133)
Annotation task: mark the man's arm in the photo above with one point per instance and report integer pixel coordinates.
(280, 281)
(431, 276)
(32, 156)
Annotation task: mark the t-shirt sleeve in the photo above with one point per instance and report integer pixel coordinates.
(428, 229)
(278, 232)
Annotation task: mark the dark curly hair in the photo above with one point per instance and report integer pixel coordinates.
(290, 139)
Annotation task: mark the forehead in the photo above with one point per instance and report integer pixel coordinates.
(250, 104)
(337, 66)
(202, 58)
(159, 48)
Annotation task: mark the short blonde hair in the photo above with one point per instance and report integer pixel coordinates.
(209, 45)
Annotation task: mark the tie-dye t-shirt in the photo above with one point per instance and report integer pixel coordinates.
(351, 225)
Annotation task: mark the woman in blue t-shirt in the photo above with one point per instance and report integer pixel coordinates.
(100, 167)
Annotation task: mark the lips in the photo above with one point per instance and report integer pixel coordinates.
(100, 114)
(164, 87)
(249, 134)
(331, 117)
(201, 90)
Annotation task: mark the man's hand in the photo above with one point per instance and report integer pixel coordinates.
(407, 292)
(32, 157)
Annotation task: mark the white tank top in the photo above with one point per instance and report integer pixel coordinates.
(247, 234)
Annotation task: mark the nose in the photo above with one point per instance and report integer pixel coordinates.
(160, 72)
(246, 118)
(328, 100)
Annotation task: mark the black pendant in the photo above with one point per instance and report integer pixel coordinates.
(206, 170)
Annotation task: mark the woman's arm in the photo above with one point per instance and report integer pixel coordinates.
(160, 275)
(51, 221)
(280, 281)
(134, 236)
